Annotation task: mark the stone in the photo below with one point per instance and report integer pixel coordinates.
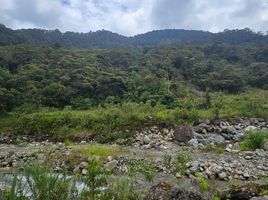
(222, 175)
(246, 175)
(242, 195)
(216, 139)
(193, 142)
(84, 172)
(83, 142)
(76, 170)
(231, 130)
(208, 172)
(83, 165)
(109, 158)
(183, 133)
(164, 191)
(250, 128)
(260, 198)
(238, 136)
(178, 175)
(111, 165)
(265, 146)
(146, 140)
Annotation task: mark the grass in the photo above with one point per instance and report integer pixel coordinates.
(41, 184)
(109, 123)
(219, 150)
(101, 151)
(254, 140)
(210, 148)
(182, 157)
(203, 185)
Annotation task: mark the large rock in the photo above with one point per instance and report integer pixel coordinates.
(260, 198)
(183, 133)
(163, 192)
(109, 166)
(216, 139)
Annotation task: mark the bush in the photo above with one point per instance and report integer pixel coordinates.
(182, 157)
(254, 140)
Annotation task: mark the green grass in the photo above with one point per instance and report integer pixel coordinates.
(109, 123)
(41, 184)
(254, 140)
(101, 151)
(203, 185)
(182, 157)
(219, 150)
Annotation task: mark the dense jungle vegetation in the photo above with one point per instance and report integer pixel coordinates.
(52, 89)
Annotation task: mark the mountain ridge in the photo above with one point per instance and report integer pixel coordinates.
(108, 39)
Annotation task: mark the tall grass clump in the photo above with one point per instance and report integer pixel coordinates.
(254, 140)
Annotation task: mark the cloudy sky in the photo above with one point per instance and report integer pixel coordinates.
(130, 17)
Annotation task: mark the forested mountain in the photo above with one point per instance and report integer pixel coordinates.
(106, 39)
(58, 77)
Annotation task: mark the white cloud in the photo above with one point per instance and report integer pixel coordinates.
(130, 17)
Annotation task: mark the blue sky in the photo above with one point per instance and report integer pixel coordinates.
(130, 17)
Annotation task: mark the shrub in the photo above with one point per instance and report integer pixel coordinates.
(122, 189)
(182, 157)
(254, 140)
(219, 150)
(203, 185)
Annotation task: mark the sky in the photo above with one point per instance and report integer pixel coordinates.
(131, 17)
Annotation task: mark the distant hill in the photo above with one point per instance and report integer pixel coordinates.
(107, 39)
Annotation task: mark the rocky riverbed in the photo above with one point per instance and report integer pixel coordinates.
(155, 143)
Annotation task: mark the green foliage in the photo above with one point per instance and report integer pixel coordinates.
(101, 151)
(38, 183)
(82, 79)
(146, 167)
(41, 184)
(219, 150)
(203, 185)
(254, 140)
(208, 147)
(123, 189)
(182, 157)
(167, 160)
(215, 197)
(67, 142)
(94, 180)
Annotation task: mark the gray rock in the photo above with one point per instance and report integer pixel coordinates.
(193, 142)
(183, 133)
(222, 175)
(250, 128)
(162, 191)
(216, 139)
(231, 130)
(111, 165)
(84, 172)
(260, 198)
(146, 140)
(238, 136)
(83, 165)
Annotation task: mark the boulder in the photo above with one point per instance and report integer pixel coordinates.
(183, 133)
(260, 198)
(216, 139)
(163, 191)
(111, 165)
